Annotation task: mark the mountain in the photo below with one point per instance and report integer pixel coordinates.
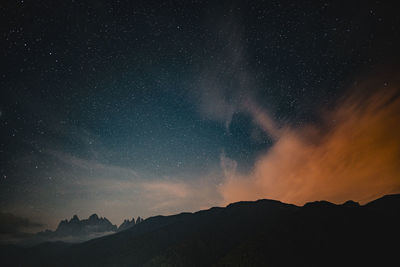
(93, 224)
(126, 224)
(76, 230)
(259, 233)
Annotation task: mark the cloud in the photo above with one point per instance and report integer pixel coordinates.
(261, 117)
(225, 83)
(353, 153)
(12, 224)
(88, 186)
(14, 228)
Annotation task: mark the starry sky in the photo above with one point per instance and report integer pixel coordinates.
(138, 108)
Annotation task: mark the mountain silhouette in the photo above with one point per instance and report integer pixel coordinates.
(90, 225)
(259, 233)
(128, 223)
(76, 230)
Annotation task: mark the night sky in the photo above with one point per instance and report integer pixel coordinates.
(140, 108)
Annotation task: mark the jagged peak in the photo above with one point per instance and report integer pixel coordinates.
(75, 218)
(94, 216)
(126, 224)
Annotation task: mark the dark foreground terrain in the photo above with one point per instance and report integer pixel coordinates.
(260, 233)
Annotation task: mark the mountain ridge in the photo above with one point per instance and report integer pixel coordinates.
(242, 234)
(76, 230)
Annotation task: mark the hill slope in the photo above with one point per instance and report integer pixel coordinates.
(260, 233)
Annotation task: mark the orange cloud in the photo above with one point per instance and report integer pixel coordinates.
(353, 154)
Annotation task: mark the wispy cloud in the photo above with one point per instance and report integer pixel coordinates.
(226, 83)
(353, 154)
(353, 151)
(14, 228)
(87, 186)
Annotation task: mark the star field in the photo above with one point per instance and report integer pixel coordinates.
(106, 106)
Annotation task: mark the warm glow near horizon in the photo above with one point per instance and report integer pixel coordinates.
(355, 156)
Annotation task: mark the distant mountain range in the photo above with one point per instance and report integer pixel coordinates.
(259, 233)
(76, 230)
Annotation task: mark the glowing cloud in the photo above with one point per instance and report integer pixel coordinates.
(353, 154)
